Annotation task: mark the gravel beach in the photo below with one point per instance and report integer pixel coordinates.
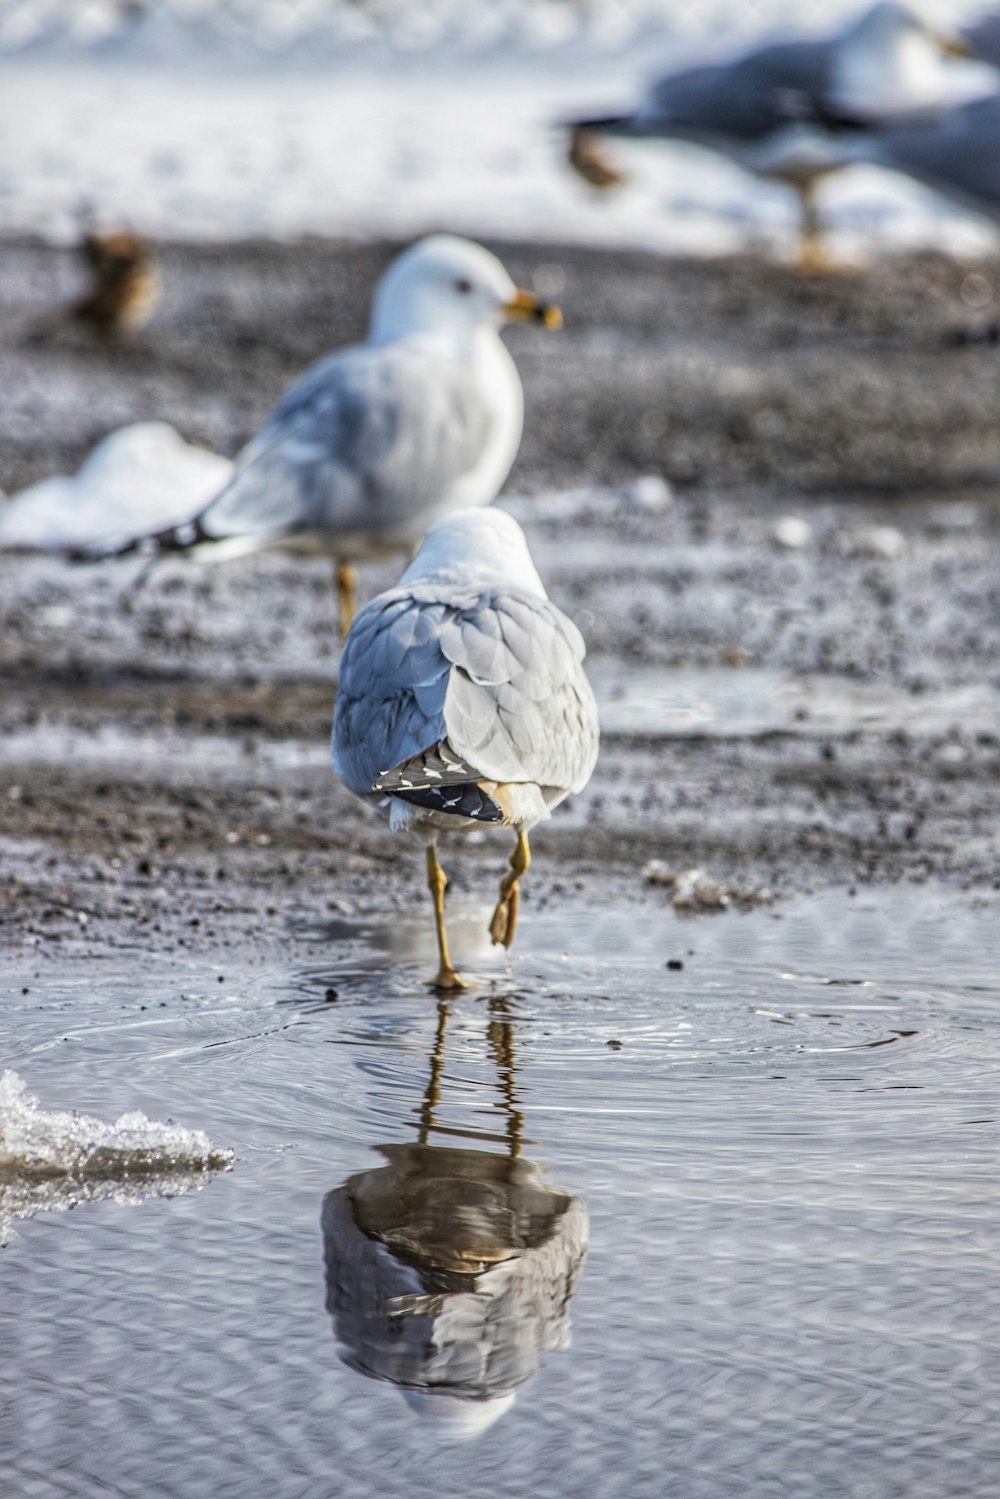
(772, 505)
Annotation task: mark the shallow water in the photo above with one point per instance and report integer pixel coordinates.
(658, 703)
(785, 1150)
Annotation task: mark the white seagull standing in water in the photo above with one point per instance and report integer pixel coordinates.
(375, 442)
(462, 702)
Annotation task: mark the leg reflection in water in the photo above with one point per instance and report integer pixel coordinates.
(449, 1271)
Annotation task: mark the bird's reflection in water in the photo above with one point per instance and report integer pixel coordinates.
(449, 1271)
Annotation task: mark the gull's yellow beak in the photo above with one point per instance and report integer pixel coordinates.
(953, 45)
(525, 307)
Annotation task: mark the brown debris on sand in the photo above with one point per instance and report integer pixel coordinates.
(693, 892)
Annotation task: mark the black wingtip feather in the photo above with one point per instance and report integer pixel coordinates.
(463, 800)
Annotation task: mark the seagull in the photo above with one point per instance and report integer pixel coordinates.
(789, 111)
(462, 702)
(377, 440)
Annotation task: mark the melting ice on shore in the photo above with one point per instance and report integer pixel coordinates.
(53, 1161)
(139, 479)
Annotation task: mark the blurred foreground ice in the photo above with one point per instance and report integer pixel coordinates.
(53, 1161)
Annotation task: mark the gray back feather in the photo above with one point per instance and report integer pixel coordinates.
(742, 100)
(367, 439)
(499, 674)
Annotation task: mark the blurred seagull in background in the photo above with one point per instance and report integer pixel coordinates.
(462, 702)
(377, 441)
(790, 111)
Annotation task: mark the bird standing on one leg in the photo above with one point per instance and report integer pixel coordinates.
(462, 702)
(378, 440)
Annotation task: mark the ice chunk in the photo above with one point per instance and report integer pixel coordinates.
(138, 480)
(51, 1161)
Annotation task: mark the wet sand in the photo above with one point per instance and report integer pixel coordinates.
(163, 772)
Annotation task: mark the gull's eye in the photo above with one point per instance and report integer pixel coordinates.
(463, 285)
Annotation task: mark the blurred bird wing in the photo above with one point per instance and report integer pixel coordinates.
(983, 38)
(368, 438)
(955, 152)
(746, 99)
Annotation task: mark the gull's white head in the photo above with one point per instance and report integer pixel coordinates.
(897, 57)
(454, 1419)
(444, 285)
(478, 548)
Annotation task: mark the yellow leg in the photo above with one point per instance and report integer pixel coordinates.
(501, 1040)
(432, 1093)
(437, 883)
(812, 255)
(345, 580)
(504, 922)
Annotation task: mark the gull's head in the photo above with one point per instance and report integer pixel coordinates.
(897, 58)
(447, 285)
(480, 548)
(454, 1419)
(892, 25)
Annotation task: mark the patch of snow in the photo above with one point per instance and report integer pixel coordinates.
(141, 479)
(397, 148)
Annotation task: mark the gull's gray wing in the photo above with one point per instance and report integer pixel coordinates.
(367, 439)
(983, 38)
(498, 674)
(742, 100)
(958, 152)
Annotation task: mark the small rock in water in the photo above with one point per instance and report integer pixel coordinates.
(792, 532)
(651, 493)
(693, 892)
